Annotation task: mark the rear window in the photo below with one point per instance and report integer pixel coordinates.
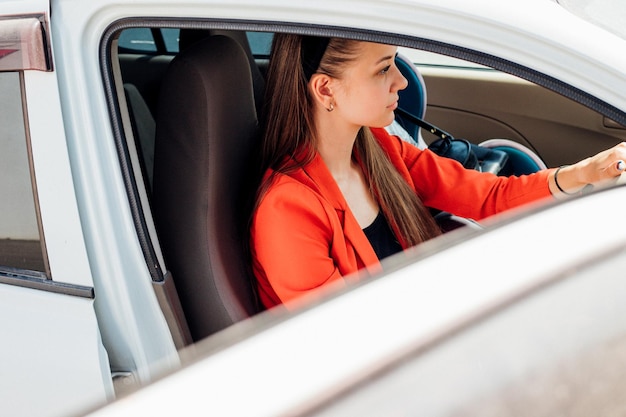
(20, 242)
(165, 41)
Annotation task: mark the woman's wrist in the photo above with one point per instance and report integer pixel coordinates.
(564, 181)
(556, 181)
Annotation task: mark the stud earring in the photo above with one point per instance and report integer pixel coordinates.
(331, 108)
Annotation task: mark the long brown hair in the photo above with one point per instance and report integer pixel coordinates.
(288, 129)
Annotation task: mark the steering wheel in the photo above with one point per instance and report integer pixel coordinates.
(447, 222)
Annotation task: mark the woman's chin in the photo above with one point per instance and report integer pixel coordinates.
(384, 121)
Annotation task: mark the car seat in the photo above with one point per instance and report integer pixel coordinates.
(143, 126)
(189, 37)
(413, 100)
(206, 127)
(522, 160)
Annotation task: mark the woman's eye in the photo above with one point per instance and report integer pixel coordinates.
(385, 70)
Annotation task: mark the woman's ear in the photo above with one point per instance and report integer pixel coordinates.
(322, 90)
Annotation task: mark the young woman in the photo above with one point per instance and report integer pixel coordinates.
(339, 193)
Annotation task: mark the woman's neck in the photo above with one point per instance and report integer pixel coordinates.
(335, 144)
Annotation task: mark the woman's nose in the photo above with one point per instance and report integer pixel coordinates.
(402, 82)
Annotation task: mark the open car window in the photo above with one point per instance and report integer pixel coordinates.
(471, 101)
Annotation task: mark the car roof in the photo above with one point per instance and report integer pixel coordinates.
(609, 15)
(514, 32)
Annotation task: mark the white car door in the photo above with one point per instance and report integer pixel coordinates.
(52, 358)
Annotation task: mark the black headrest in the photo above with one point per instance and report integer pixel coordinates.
(188, 37)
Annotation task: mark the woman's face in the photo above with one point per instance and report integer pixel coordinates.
(366, 93)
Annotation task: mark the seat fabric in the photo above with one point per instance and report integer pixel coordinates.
(144, 127)
(190, 36)
(413, 98)
(206, 127)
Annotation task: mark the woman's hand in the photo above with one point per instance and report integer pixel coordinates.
(600, 169)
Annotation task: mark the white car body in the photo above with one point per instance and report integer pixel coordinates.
(61, 351)
(298, 365)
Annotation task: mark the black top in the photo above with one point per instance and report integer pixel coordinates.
(381, 237)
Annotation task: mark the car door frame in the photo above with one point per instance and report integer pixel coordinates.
(55, 362)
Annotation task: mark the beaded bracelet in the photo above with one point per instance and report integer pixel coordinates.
(556, 181)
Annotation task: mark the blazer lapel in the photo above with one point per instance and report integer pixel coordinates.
(320, 179)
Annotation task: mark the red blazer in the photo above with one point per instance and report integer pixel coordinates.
(304, 235)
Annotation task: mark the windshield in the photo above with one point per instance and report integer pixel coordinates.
(608, 14)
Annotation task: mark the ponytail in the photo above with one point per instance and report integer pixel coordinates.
(403, 209)
(287, 122)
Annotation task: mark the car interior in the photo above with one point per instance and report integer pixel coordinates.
(188, 107)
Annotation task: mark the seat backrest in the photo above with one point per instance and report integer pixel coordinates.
(143, 126)
(190, 36)
(206, 126)
(413, 98)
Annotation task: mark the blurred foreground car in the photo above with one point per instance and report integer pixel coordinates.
(101, 290)
(538, 329)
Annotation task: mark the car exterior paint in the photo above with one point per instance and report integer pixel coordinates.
(66, 350)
